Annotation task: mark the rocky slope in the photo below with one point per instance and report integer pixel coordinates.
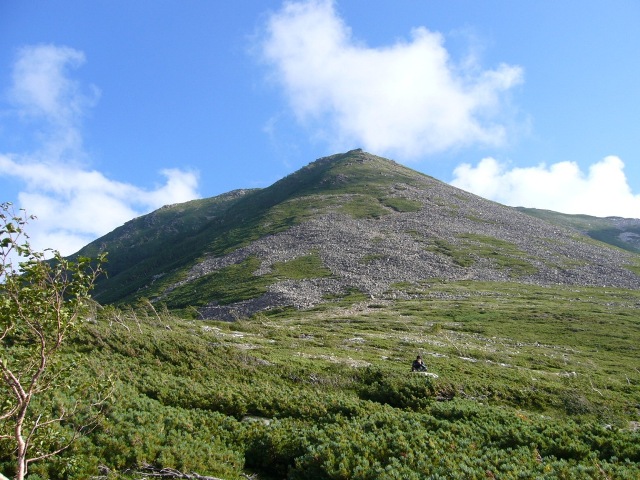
(376, 227)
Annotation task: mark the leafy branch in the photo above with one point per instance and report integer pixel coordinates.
(41, 303)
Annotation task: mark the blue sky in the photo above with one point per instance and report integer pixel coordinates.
(111, 109)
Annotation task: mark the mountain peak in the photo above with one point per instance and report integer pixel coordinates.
(343, 223)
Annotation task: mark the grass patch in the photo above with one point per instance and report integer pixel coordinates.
(371, 258)
(363, 206)
(238, 282)
(298, 210)
(460, 256)
(227, 285)
(308, 266)
(634, 268)
(400, 204)
(506, 255)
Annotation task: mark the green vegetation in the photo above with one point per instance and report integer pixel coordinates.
(601, 229)
(460, 256)
(296, 211)
(41, 304)
(400, 204)
(308, 266)
(371, 206)
(635, 269)
(371, 258)
(239, 282)
(527, 381)
(364, 206)
(506, 255)
(532, 382)
(228, 285)
(503, 254)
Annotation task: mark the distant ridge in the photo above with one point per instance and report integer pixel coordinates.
(618, 231)
(351, 222)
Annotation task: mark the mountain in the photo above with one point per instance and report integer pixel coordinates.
(351, 223)
(618, 231)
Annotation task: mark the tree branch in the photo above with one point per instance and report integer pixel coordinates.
(149, 471)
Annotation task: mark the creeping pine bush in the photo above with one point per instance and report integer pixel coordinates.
(187, 397)
(372, 447)
(273, 449)
(143, 432)
(414, 392)
(454, 440)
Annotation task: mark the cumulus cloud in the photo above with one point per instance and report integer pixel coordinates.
(407, 98)
(74, 204)
(563, 187)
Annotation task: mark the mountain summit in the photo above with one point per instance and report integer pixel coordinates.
(346, 223)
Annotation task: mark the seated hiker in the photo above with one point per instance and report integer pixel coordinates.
(418, 365)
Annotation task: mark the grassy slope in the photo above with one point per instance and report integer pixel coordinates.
(598, 228)
(154, 244)
(533, 383)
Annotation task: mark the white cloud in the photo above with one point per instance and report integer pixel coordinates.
(73, 203)
(562, 187)
(42, 87)
(407, 98)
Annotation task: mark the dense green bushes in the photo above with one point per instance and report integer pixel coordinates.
(388, 443)
(291, 395)
(414, 392)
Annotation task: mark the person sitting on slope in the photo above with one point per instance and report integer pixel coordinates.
(418, 365)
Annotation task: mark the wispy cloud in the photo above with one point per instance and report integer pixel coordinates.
(42, 87)
(74, 203)
(407, 98)
(562, 187)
